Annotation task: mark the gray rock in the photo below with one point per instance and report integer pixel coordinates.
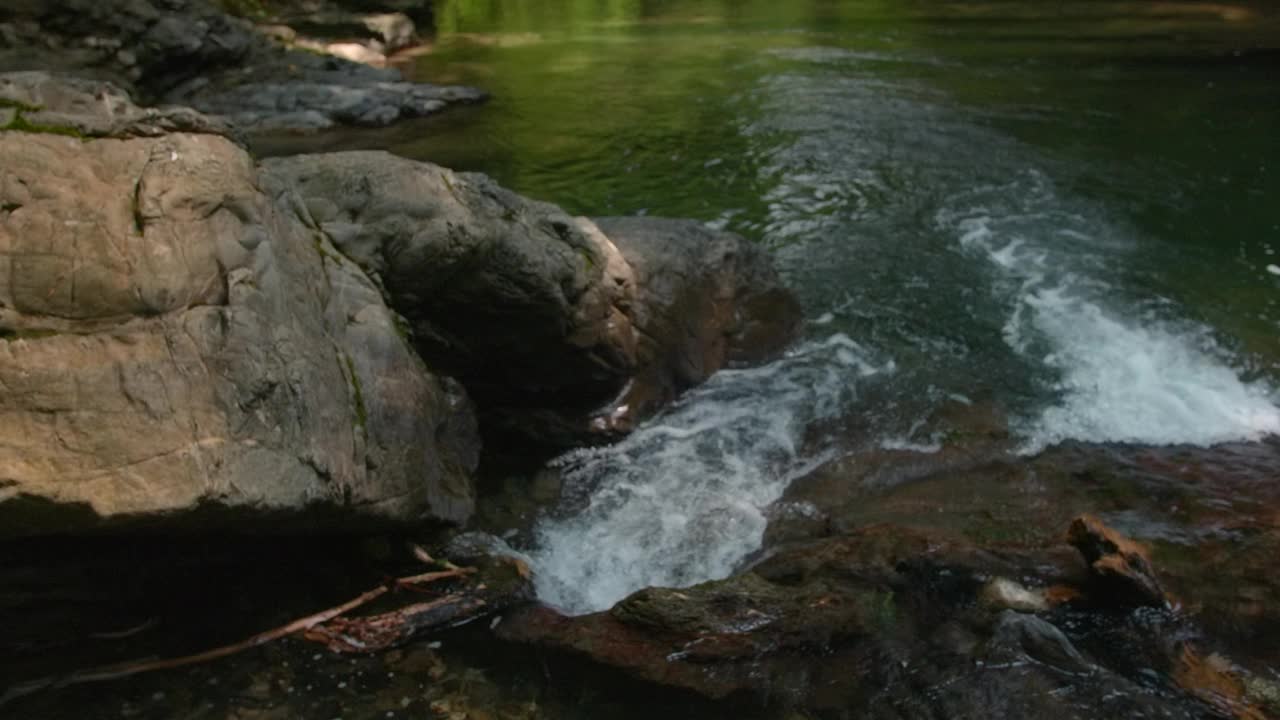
(306, 105)
(187, 52)
(705, 300)
(391, 31)
(95, 108)
(472, 548)
(176, 337)
(561, 335)
(1029, 636)
(512, 296)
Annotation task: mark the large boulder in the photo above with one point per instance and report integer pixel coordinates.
(565, 331)
(190, 52)
(177, 339)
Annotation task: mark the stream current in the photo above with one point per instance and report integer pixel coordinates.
(1071, 210)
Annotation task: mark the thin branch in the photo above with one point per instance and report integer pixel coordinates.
(128, 669)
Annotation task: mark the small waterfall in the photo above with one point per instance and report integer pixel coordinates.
(682, 499)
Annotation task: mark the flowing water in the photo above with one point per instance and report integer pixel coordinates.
(1071, 209)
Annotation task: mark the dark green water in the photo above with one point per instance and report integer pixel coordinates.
(1067, 209)
(794, 121)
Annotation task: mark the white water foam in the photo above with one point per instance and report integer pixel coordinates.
(682, 499)
(1123, 376)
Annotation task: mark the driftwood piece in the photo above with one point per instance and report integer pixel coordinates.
(382, 629)
(380, 632)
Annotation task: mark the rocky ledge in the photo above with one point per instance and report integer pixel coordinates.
(187, 335)
(191, 53)
(967, 582)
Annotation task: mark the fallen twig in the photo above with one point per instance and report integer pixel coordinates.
(379, 632)
(301, 625)
(433, 576)
(127, 632)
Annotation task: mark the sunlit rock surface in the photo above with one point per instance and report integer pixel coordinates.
(176, 335)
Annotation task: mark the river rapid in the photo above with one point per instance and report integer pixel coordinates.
(1068, 212)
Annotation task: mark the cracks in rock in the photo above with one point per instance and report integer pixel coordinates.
(139, 218)
(362, 413)
(139, 222)
(258, 397)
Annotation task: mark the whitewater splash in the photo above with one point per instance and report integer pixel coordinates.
(682, 499)
(1124, 374)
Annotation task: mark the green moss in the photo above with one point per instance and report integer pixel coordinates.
(325, 251)
(985, 530)
(29, 334)
(19, 105)
(879, 609)
(362, 416)
(403, 328)
(21, 124)
(9, 207)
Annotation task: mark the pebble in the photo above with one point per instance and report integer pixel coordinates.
(1005, 593)
(1273, 269)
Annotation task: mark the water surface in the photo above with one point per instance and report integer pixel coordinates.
(1069, 209)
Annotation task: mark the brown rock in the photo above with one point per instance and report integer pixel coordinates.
(1118, 563)
(175, 339)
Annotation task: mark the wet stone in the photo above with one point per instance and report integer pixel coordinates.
(1039, 640)
(1122, 567)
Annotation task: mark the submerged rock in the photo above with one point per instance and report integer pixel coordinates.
(1039, 640)
(564, 331)
(178, 343)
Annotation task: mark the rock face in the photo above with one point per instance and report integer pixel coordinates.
(564, 333)
(176, 335)
(188, 52)
(181, 329)
(964, 581)
(704, 300)
(92, 108)
(888, 622)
